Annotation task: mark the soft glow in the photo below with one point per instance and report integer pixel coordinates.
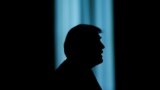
(69, 13)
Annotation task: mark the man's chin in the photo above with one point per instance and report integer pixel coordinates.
(99, 61)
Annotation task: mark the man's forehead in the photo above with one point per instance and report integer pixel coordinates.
(92, 36)
(96, 37)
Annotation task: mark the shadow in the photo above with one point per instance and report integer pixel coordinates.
(83, 50)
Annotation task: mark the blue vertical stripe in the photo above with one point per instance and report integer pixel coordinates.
(104, 20)
(75, 17)
(85, 12)
(98, 22)
(67, 16)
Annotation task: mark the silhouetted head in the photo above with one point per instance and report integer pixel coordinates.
(83, 43)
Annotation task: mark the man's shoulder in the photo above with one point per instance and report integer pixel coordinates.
(65, 68)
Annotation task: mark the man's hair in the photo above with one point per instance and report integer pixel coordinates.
(78, 38)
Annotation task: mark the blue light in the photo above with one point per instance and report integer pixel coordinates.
(67, 16)
(69, 13)
(85, 12)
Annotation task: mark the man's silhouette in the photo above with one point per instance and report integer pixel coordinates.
(83, 50)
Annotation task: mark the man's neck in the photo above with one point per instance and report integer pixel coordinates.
(79, 62)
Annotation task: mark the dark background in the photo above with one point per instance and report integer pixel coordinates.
(28, 44)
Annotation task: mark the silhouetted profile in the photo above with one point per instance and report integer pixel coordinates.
(83, 50)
